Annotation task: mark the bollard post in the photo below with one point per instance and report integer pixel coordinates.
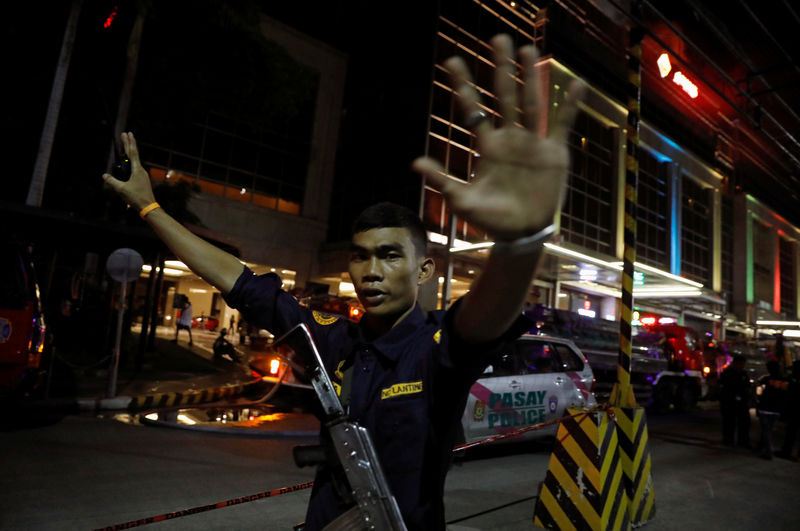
(631, 421)
(123, 265)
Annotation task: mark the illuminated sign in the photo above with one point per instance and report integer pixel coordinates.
(683, 82)
(665, 67)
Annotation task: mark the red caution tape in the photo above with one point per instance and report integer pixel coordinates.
(520, 431)
(301, 486)
(204, 508)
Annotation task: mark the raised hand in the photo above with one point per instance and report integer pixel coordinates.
(137, 191)
(520, 176)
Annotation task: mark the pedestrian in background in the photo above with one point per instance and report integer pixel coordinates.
(791, 414)
(185, 321)
(770, 405)
(734, 403)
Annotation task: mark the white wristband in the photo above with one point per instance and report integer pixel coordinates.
(525, 245)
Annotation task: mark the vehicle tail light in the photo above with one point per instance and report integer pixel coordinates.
(274, 366)
(594, 384)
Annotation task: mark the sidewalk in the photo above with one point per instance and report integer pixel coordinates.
(174, 373)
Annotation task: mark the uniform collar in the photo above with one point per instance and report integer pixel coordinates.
(393, 343)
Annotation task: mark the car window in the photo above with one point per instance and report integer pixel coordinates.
(535, 357)
(568, 359)
(502, 363)
(13, 282)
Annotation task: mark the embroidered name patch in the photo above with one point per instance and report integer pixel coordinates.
(407, 388)
(324, 319)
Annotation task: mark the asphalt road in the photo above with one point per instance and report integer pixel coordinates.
(87, 473)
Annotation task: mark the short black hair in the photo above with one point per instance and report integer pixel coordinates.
(386, 215)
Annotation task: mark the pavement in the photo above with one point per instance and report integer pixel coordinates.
(172, 374)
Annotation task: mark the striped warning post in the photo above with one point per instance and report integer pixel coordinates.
(177, 399)
(622, 394)
(635, 459)
(584, 485)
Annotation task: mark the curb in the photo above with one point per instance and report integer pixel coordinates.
(159, 400)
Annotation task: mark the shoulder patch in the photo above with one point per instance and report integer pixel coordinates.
(324, 319)
(438, 336)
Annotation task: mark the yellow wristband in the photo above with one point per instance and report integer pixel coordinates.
(149, 208)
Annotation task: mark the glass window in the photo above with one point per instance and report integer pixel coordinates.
(13, 287)
(763, 262)
(695, 231)
(651, 211)
(727, 249)
(788, 283)
(535, 357)
(568, 359)
(587, 216)
(504, 364)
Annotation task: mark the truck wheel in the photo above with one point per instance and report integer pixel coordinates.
(685, 398)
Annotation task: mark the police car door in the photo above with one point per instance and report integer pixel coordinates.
(512, 392)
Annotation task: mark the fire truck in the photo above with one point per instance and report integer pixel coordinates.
(667, 364)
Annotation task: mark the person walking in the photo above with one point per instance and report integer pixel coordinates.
(185, 321)
(734, 403)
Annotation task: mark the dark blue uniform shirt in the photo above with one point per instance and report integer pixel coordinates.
(409, 389)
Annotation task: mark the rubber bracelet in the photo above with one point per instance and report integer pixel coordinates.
(149, 208)
(525, 245)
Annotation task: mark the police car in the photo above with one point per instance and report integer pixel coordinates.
(532, 380)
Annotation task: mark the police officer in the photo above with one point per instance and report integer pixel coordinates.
(411, 372)
(734, 402)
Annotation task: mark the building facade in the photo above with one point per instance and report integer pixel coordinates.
(709, 254)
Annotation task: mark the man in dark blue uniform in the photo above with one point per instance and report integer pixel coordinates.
(411, 372)
(409, 382)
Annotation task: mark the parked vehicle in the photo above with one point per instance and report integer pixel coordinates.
(666, 367)
(22, 327)
(533, 380)
(205, 322)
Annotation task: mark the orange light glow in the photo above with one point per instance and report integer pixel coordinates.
(706, 369)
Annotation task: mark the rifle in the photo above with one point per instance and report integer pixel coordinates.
(376, 507)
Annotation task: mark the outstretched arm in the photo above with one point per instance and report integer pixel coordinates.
(519, 187)
(217, 267)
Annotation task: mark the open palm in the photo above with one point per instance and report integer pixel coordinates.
(520, 175)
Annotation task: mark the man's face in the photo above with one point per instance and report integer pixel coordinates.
(386, 271)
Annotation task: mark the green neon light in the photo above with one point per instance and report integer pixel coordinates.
(750, 289)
